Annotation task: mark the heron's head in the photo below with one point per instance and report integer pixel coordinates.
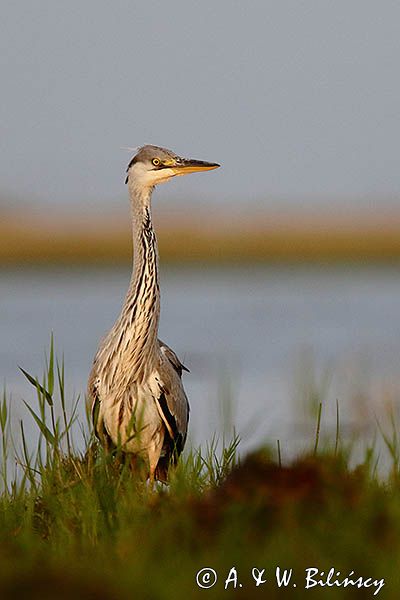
(152, 165)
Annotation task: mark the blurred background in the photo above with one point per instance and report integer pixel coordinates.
(280, 271)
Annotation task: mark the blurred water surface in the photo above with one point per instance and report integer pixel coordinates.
(263, 344)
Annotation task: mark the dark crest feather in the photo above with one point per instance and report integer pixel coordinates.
(133, 161)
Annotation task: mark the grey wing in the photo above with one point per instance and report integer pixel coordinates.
(92, 396)
(173, 401)
(172, 357)
(93, 408)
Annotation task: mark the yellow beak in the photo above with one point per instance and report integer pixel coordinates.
(192, 166)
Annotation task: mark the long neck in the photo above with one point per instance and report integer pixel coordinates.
(141, 310)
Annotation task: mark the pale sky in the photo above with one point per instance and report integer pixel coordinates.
(296, 99)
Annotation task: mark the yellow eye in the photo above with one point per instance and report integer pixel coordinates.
(156, 162)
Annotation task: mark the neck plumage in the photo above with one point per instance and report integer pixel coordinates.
(141, 310)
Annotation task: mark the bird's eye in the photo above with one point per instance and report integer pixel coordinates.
(156, 162)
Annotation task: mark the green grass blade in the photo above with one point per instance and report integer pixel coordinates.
(50, 438)
(318, 430)
(40, 388)
(50, 370)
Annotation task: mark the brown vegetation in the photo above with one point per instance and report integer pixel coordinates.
(203, 236)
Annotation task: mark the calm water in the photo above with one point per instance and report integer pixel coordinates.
(266, 339)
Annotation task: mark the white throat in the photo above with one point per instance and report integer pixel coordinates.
(145, 177)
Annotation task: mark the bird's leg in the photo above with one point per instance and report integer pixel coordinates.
(154, 457)
(151, 476)
(152, 471)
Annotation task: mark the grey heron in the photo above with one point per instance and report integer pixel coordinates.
(135, 389)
